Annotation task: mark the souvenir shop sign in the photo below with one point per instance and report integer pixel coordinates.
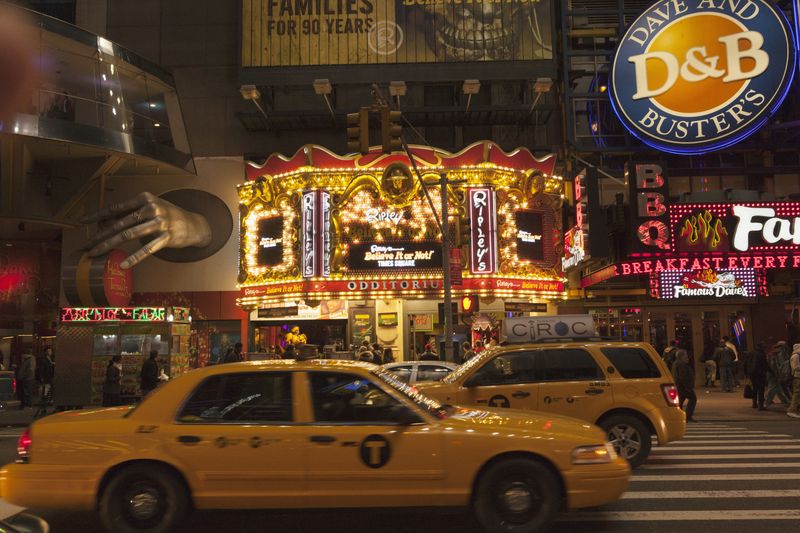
(708, 283)
(692, 76)
(736, 228)
(398, 255)
(113, 314)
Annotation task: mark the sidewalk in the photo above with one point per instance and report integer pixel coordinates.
(715, 405)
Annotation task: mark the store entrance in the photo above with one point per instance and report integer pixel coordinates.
(698, 330)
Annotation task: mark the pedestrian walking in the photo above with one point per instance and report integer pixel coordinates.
(794, 407)
(736, 359)
(683, 373)
(725, 361)
(149, 374)
(27, 377)
(670, 353)
(776, 375)
(112, 386)
(755, 368)
(47, 374)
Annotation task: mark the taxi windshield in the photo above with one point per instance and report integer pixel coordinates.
(467, 367)
(428, 404)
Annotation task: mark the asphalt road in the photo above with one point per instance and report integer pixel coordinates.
(726, 476)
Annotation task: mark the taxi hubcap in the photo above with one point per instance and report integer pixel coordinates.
(626, 441)
(517, 498)
(143, 505)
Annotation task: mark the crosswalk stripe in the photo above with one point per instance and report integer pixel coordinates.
(722, 456)
(714, 477)
(694, 494)
(684, 516)
(746, 441)
(675, 466)
(731, 447)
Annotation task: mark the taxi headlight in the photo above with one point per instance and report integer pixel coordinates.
(592, 455)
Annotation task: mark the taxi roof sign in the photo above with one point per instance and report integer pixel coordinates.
(538, 328)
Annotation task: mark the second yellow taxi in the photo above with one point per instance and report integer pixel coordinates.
(302, 434)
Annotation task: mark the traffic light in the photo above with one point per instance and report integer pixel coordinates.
(358, 131)
(391, 130)
(470, 303)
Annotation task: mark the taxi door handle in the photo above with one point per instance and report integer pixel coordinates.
(593, 392)
(189, 439)
(520, 394)
(322, 439)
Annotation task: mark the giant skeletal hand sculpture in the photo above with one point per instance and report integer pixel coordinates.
(145, 216)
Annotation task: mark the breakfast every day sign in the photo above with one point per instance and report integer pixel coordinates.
(279, 33)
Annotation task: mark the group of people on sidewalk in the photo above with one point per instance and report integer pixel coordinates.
(770, 373)
(149, 378)
(35, 378)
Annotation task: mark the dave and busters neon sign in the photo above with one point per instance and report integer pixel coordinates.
(692, 76)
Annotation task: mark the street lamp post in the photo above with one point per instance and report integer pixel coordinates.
(448, 295)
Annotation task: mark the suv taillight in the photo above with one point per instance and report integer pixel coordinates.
(24, 446)
(670, 394)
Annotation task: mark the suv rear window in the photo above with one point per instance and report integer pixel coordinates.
(632, 362)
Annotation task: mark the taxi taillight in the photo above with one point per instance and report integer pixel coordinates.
(24, 447)
(671, 394)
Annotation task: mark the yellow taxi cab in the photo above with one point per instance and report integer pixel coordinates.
(557, 365)
(303, 434)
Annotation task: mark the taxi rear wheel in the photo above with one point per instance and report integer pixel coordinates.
(629, 436)
(143, 499)
(517, 496)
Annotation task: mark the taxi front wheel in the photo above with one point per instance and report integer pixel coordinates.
(143, 499)
(517, 496)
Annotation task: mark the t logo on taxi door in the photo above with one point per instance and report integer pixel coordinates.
(375, 451)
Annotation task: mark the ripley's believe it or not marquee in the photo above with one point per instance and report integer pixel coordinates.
(319, 226)
(691, 76)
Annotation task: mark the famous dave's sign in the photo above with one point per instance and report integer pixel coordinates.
(708, 283)
(691, 76)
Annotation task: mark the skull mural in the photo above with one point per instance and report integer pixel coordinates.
(485, 30)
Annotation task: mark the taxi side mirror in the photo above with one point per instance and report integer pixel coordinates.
(404, 416)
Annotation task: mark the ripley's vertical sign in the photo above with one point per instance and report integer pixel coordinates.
(280, 33)
(691, 76)
(316, 235)
(482, 241)
(270, 241)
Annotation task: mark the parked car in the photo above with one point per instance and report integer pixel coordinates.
(309, 434)
(414, 371)
(8, 390)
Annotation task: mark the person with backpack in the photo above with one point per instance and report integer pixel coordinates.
(725, 362)
(670, 353)
(794, 362)
(776, 374)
